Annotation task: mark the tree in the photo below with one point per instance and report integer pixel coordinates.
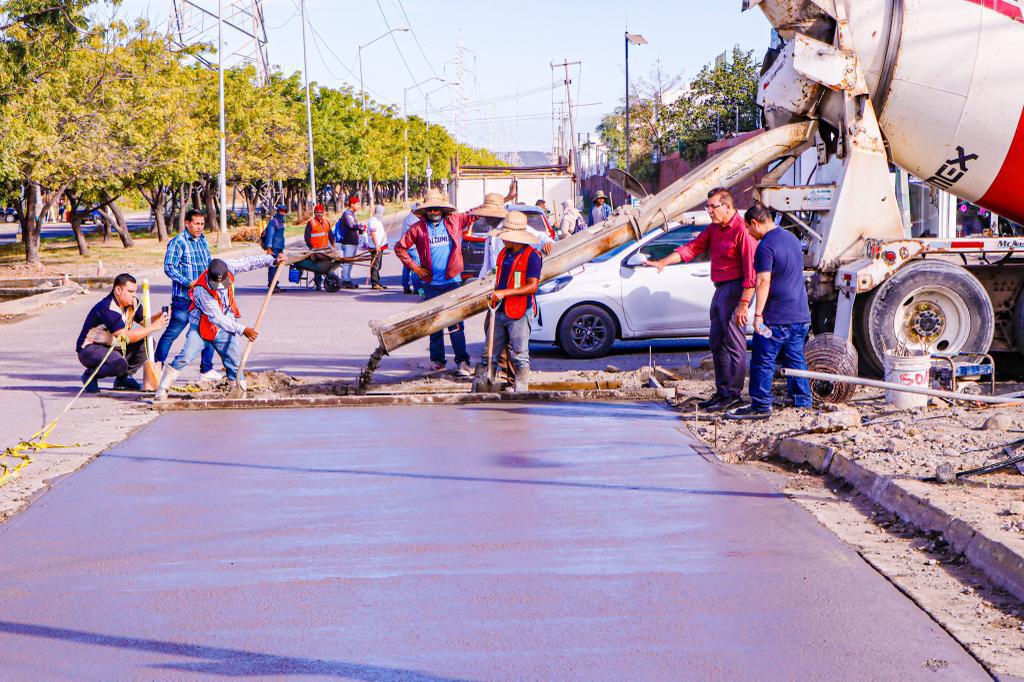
(716, 98)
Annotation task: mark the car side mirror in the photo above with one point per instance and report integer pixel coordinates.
(636, 260)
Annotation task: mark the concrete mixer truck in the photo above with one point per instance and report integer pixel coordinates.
(933, 86)
(937, 88)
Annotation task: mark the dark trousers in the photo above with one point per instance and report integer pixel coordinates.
(786, 346)
(116, 365)
(376, 258)
(457, 332)
(406, 277)
(272, 270)
(179, 322)
(728, 340)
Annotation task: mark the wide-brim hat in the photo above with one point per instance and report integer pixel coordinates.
(600, 195)
(434, 199)
(493, 207)
(515, 230)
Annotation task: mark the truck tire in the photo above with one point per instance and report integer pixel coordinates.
(929, 304)
(587, 331)
(1018, 323)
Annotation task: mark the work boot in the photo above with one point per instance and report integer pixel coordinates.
(522, 384)
(749, 412)
(409, 290)
(94, 385)
(723, 404)
(211, 375)
(378, 287)
(126, 383)
(704, 404)
(166, 379)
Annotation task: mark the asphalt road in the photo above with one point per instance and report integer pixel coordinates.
(434, 543)
(9, 231)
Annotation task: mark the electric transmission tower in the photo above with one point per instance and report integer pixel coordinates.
(194, 22)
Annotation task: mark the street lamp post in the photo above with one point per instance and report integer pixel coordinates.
(223, 239)
(309, 113)
(426, 118)
(635, 39)
(405, 116)
(362, 91)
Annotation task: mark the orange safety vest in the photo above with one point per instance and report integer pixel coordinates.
(515, 306)
(207, 329)
(319, 233)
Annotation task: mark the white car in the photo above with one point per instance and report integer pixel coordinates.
(615, 296)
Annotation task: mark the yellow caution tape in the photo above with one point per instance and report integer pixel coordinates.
(40, 440)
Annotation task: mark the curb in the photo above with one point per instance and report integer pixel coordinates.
(1002, 565)
(31, 304)
(619, 395)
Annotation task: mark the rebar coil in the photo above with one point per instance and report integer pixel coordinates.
(835, 355)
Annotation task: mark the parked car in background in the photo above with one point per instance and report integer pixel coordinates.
(615, 297)
(474, 239)
(9, 214)
(87, 214)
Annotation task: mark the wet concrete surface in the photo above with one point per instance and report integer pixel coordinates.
(424, 543)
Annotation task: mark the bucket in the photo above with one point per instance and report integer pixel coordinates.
(907, 370)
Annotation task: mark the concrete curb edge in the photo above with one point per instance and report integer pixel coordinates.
(31, 304)
(1002, 565)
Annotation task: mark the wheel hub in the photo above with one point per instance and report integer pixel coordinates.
(926, 322)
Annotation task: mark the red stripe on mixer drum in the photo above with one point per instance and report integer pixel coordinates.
(1004, 196)
(1004, 7)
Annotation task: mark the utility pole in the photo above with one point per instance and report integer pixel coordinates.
(223, 238)
(309, 111)
(573, 156)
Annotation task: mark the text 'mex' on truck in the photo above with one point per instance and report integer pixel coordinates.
(937, 87)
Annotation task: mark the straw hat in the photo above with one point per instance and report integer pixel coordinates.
(493, 206)
(514, 229)
(600, 195)
(434, 199)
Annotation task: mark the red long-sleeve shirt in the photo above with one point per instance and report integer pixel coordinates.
(732, 251)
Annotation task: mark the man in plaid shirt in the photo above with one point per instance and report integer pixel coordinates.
(188, 256)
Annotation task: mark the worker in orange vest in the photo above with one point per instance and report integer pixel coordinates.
(319, 236)
(513, 301)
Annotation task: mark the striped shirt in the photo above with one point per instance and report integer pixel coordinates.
(187, 257)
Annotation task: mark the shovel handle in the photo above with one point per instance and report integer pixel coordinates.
(239, 376)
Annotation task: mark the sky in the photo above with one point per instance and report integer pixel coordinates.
(508, 86)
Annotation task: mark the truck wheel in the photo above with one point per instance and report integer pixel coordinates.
(332, 282)
(586, 331)
(1018, 319)
(929, 305)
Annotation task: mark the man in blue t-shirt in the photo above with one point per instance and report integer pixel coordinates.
(781, 315)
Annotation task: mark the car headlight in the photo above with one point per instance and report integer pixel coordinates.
(553, 285)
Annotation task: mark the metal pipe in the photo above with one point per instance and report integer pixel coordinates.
(874, 383)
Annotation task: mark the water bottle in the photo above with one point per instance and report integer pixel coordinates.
(762, 329)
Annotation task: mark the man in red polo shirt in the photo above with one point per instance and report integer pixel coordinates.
(732, 270)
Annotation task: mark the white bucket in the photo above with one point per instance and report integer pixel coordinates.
(910, 370)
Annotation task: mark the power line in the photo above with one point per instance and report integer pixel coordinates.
(399, 49)
(416, 38)
(506, 98)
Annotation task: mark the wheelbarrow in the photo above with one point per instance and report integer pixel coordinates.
(322, 262)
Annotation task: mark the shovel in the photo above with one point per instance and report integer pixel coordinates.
(150, 377)
(488, 383)
(239, 389)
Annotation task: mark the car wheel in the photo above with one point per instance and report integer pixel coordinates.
(587, 331)
(8, 218)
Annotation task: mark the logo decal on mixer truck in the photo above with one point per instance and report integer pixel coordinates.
(1009, 8)
(950, 172)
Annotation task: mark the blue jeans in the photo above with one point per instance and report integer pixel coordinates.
(787, 347)
(272, 270)
(515, 334)
(177, 324)
(406, 277)
(457, 332)
(348, 250)
(226, 345)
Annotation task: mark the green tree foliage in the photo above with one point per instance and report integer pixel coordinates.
(93, 113)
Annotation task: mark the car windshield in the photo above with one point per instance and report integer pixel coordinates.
(661, 246)
(482, 225)
(608, 255)
(536, 221)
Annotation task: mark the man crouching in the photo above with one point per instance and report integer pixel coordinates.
(214, 317)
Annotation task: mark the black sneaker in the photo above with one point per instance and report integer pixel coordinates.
(93, 386)
(704, 404)
(749, 412)
(126, 383)
(723, 404)
(409, 291)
